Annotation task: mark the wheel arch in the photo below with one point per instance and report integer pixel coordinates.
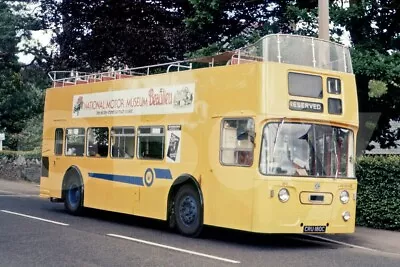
(71, 170)
(180, 181)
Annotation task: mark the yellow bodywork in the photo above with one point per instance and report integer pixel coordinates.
(233, 197)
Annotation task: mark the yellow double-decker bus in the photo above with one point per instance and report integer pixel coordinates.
(260, 139)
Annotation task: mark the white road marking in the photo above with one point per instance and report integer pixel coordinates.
(174, 248)
(35, 218)
(352, 245)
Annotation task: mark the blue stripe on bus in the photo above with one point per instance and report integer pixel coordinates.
(163, 174)
(118, 178)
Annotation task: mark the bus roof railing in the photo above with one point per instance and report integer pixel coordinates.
(65, 78)
(301, 50)
(281, 48)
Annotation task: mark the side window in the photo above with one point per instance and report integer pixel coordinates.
(75, 142)
(58, 141)
(97, 142)
(122, 142)
(151, 142)
(237, 142)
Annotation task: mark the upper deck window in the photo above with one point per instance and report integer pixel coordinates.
(305, 85)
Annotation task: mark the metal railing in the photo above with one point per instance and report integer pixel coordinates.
(281, 48)
(66, 78)
(301, 50)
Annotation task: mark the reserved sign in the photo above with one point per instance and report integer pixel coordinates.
(306, 106)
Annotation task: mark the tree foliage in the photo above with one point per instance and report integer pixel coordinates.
(98, 34)
(21, 98)
(374, 28)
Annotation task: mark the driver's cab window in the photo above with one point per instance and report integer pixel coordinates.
(237, 142)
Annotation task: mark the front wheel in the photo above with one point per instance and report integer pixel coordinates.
(74, 196)
(188, 211)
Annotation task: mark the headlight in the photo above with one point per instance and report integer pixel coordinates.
(344, 197)
(346, 216)
(283, 195)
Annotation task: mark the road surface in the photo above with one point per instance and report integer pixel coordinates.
(35, 232)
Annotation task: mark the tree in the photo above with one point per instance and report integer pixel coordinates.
(20, 98)
(94, 35)
(374, 28)
(209, 22)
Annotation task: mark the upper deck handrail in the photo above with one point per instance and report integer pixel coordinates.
(75, 76)
(301, 50)
(281, 48)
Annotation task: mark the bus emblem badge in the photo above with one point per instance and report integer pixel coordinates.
(317, 186)
(148, 177)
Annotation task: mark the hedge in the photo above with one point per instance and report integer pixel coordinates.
(378, 197)
(12, 155)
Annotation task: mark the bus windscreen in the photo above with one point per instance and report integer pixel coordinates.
(300, 149)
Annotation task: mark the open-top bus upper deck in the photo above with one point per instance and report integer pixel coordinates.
(280, 48)
(297, 77)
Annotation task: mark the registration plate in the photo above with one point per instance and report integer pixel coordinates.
(314, 229)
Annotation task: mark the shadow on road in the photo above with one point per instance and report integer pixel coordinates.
(214, 234)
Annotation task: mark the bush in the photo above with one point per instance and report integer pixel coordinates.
(378, 198)
(29, 138)
(12, 155)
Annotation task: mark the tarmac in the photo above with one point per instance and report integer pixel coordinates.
(364, 238)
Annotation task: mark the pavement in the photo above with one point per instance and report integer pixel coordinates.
(370, 239)
(19, 187)
(35, 232)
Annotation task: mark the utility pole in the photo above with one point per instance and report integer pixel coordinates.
(323, 19)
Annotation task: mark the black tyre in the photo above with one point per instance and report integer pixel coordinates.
(73, 201)
(188, 211)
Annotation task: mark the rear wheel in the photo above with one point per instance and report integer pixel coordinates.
(73, 196)
(188, 211)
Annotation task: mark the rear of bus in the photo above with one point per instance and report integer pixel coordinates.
(308, 125)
